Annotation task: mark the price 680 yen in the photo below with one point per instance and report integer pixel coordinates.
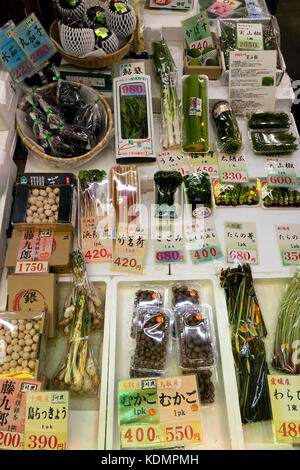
(241, 255)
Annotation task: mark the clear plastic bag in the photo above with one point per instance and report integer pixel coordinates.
(287, 334)
(264, 120)
(147, 296)
(228, 132)
(198, 189)
(273, 143)
(69, 99)
(236, 194)
(244, 9)
(152, 342)
(126, 194)
(195, 338)
(88, 117)
(21, 336)
(273, 197)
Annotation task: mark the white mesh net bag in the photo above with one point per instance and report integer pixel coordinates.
(106, 40)
(77, 12)
(95, 16)
(120, 18)
(76, 41)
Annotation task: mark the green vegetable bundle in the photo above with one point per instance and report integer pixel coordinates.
(236, 194)
(280, 197)
(263, 120)
(229, 36)
(247, 330)
(228, 133)
(166, 70)
(198, 189)
(134, 117)
(269, 142)
(166, 183)
(94, 192)
(195, 114)
(287, 336)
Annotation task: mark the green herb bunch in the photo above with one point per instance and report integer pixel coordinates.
(198, 189)
(166, 183)
(269, 142)
(269, 120)
(134, 117)
(236, 194)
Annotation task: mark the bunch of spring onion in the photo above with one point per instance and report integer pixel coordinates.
(166, 70)
(94, 192)
(79, 371)
(247, 330)
(287, 336)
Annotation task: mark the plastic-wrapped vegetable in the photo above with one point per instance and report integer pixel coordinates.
(198, 189)
(167, 183)
(88, 117)
(228, 132)
(279, 197)
(262, 120)
(287, 335)
(271, 143)
(236, 194)
(195, 114)
(69, 99)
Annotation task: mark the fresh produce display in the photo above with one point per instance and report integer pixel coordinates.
(279, 197)
(134, 117)
(228, 132)
(152, 342)
(184, 296)
(236, 194)
(198, 189)
(81, 288)
(247, 332)
(287, 336)
(94, 193)
(43, 205)
(79, 371)
(241, 9)
(272, 143)
(195, 131)
(125, 193)
(262, 120)
(145, 298)
(166, 71)
(166, 185)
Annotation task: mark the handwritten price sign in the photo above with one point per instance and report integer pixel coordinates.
(11, 440)
(288, 237)
(243, 256)
(169, 256)
(32, 267)
(128, 264)
(240, 241)
(206, 254)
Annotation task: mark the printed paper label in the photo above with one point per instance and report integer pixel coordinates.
(288, 237)
(241, 242)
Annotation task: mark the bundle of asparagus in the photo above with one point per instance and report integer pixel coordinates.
(287, 336)
(247, 330)
(125, 196)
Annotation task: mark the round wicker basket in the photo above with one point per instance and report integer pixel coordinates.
(89, 62)
(73, 162)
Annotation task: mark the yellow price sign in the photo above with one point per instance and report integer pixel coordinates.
(188, 433)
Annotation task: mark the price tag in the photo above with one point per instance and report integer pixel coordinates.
(130, 248)
(174, 161)
(201, 240)
(223, 7)
(46, 421)
(168, 242)
(284, 396)
(97, 239)
(206, 162)
(132, 68)
(240, 242)
(249, 36)
(32, 267)
(281, 172)
(13, 398)
(159, 412)
(35, 250)
(233, 168)
(197, 32)
(288, 236)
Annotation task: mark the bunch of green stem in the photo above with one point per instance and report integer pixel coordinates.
(247, 330)
(94, 193)
(287, 335)
(166, 70)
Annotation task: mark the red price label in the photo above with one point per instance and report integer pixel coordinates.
(288, 431)
(98, 255)
(243, 255)
(45, 442)
(200, 45)
(206, 254)
(11, 440)
(212, 170)
(239, 176)
(169, 256)
(278, 180)
(32, 267)
(292, 256)
(123, 263)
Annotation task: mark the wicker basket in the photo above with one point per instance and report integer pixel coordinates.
(89, 62)
(73, 162)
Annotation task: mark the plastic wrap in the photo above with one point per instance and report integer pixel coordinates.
(152, 342)
(228, 132)
(21, 334)
(195, 126)
(88, 118)
(198, 189)
(125, 193)
(167, 189)
(94, 193)
(236, 194)
(247, 329)
(69, 99)
(244, 9)
(287, 336)
(148, 296)
(264, 120)
(273, 143)
(273, 197)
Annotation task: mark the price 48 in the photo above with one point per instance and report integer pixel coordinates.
(290, 430)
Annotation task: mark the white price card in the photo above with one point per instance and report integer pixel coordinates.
(281, 172)
(288, 237)
(206, 162)
(241, 242)
(233, 168)
(168, 242)
(174, 160)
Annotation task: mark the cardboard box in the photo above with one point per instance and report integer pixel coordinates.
(211, 71)
(99, 79)
(8, 316)
(30, 292)
(60, 260)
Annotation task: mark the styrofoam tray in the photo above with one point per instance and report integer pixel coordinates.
(222, 424)
(87, 415)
